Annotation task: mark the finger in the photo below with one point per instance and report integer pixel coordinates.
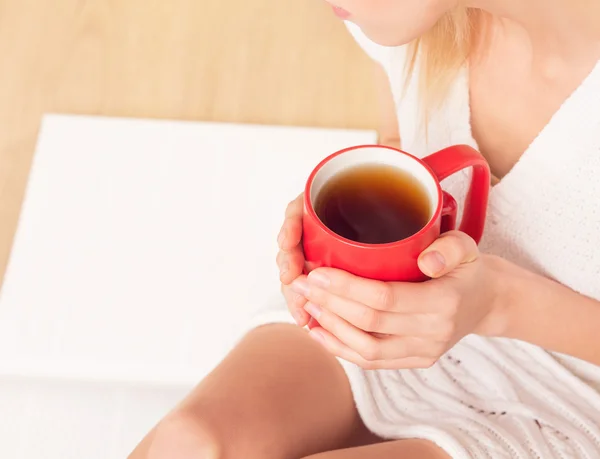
(290, 234)
(366, 345)
(362, 316)
(357, 314)
(339, 349)
(296, 207)
(295, 304)
(418, 316)
(291, 230)
(448, 252)
(369, 347)
(376, 321)
(290, 265)
(382, 296)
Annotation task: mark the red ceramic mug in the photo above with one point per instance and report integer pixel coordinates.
(396, 261)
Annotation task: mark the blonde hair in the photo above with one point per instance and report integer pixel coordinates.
(442, 52)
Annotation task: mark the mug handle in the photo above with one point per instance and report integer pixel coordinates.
(449, 212)
(451, 160)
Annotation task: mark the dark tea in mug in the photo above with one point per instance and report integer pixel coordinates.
(373, 204)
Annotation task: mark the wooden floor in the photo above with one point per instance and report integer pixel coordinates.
(261, 61)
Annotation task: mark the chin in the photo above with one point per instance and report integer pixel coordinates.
(387, 38)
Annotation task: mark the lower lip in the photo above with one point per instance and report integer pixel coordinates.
(340, 12)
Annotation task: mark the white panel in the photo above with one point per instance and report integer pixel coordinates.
(142, 250)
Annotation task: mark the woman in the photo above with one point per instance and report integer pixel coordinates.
(497, 355)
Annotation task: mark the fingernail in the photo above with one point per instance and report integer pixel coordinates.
(300, 287)
(433, 263)
(314, 310)
(319, 279)
(285, 267)
(281, 237)
(317, 336)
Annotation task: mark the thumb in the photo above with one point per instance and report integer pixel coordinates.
(449, 251)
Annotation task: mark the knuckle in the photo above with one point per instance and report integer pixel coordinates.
(437, 350)
(293, 263)
(367, 365)
(428, 363)
(460, 244)
(436, 289)
(328, 322)
(406, 348)
(299, 301)
(454, 237)
(370, 319)
(465, 240)
(321, 297)
(292, 299)
(284, 224)
(280, 258)
(385, 297)
(445, 331)
(296, 301)
(289, 300)
(450, 306)
(294, 227)
(371, 351)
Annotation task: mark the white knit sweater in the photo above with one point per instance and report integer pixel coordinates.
(499, 398)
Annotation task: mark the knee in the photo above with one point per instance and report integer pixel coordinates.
(184, 436)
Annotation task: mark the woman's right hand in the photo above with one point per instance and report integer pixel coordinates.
(290, 259)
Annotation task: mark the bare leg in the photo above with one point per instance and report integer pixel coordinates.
(278, 395)
(401, 449)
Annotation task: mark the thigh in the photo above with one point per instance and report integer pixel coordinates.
(278, 394)
(400, 449)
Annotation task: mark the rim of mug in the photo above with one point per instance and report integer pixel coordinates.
(311, 211)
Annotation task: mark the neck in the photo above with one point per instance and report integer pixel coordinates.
(554, 29)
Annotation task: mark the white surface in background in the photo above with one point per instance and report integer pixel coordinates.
(143, 248)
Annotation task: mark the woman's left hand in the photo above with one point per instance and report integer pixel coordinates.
(397, 325)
